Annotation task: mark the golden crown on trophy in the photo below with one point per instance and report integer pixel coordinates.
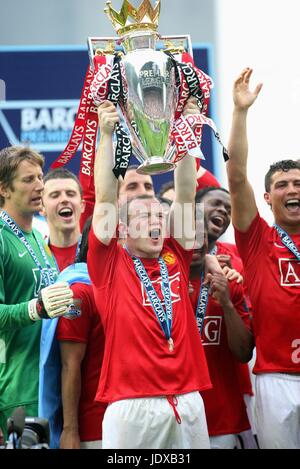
(130, 19)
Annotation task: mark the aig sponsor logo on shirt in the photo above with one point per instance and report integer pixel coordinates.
(211, 333)
(174, 287)
(289, 272)
(39, 279)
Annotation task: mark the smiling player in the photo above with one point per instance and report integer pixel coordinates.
(271, 258)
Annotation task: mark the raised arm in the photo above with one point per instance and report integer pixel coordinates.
(183, 208)
(105, 217)
(244, 207)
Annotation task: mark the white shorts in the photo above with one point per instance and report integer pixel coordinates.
(97, 444)
(150, 423)
(278, 411)
(223, 442)
(243, 440)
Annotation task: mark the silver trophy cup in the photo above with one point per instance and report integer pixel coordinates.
(149, 80)
(150, 107)
(149, 110)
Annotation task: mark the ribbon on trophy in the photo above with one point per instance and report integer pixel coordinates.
(187, 132)
(85, 132)
(113, 88)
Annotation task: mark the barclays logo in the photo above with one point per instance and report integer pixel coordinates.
(44, 125)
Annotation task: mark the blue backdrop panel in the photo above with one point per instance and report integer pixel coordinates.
(43, 86)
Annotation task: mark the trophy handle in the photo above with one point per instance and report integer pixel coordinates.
(177, 44)
(102, 46)
(110, 45)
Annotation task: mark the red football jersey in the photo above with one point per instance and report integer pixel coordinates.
(224, 404)
(272, 276)
(236, 262)
(87, 329)
(64, 256)
(137, 360)
(207, 180)
(230, 250)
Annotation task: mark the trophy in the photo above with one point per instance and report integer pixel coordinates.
(140, 72)
(150, 79)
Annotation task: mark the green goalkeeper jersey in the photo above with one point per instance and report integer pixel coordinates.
(20, 281)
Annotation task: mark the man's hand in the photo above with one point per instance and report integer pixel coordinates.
(53, 301)
(108, 117)
(232, 274)
(224, 260)
(212, 266)
(219, 290)
(69, 439)
(243, 98)
(191, 107)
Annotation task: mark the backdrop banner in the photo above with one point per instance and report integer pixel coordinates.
(40, 92)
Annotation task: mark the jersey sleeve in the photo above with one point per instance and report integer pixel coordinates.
(11, 316)
(207, 180)
(14, 316)
(101, 259)
(240, 303)
(77, 330)
(251, 242)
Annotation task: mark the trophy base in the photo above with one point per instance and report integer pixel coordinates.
(156, 165)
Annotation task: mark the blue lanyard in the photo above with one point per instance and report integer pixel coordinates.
(287, 241)
(78, 247)
(48, 277)
(164, 316)
(203, 297)
(202, 304)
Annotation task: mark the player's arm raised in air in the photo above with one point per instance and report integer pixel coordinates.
(105, 217)
(244, 207)
(182, 222)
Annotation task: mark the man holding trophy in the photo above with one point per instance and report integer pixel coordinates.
(154, 365)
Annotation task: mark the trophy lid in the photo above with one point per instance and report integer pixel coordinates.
(131, 19)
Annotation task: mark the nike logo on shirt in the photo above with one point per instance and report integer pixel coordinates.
(22, 254)
(278, 245)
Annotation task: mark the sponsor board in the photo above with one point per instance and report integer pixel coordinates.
(40, 88)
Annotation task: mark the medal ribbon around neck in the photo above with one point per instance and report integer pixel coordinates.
(48, 277)
(164, 317)
(203, 297)
(287, 241)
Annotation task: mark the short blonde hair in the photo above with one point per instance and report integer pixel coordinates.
(10, 159)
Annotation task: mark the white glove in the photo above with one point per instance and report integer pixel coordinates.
(53, 301)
